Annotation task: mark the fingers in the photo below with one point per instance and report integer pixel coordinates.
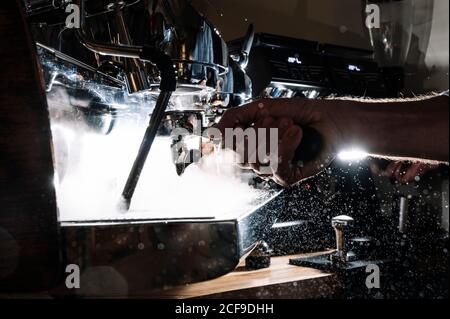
(283, 125)
(410, 174)
(244, 116)
(287, 173)
(415, 171)
(390, 170)
(278, 161)
(255, 149)
(290, 170)
(400, 171)
(267, 114)
(404, 172)
(299, 110)
(261, 142)
(267, 143)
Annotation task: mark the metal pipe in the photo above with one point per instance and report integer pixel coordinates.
(149, 137)
(135, 73)
(124, 51)
(122, 27)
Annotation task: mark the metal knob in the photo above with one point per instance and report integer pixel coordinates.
(340, 225)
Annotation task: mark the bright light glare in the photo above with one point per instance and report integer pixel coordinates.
(352, 155)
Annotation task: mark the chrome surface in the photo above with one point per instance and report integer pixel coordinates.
(190, 39)
(392, 39)
(341, 225)
(136, 76)
(43, 50)
(110, 30)
(124, 51)
(152, 254)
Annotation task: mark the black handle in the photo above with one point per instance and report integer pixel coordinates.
(310, 146)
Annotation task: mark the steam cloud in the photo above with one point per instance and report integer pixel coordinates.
(92, 170)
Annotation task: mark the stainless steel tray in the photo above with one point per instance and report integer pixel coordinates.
(123, 257)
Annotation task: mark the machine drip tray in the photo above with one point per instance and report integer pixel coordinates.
(149, 254)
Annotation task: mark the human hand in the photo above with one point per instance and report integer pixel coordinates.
(288, 118)
(402, 171)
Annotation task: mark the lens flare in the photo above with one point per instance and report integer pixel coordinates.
(352, 155)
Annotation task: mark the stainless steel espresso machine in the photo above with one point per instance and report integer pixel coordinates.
(107, 66)
(124, 61)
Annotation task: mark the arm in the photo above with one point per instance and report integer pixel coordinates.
(401, 129)
(408, 129)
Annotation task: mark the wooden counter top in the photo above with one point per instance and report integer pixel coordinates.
(280, 280)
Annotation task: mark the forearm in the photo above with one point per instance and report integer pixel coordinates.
(416, 129)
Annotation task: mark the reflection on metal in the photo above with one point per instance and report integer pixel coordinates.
(136, 76)
(161, 253)
(54, 60)
(124, 51)
(112, 33)
(392, 39)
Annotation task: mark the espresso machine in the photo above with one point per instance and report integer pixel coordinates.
(104, 76)
(122, 214)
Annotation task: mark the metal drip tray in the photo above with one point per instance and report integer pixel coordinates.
(136, 255)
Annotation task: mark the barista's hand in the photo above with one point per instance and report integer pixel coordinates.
(403, 172)
(289, 117)
(410, 129)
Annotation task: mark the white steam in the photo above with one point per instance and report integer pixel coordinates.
(92, 170)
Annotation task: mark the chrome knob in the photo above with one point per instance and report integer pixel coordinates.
(340, 225)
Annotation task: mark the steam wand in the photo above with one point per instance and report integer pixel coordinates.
(167, 86)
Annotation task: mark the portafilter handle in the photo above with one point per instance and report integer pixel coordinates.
(310, 146)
